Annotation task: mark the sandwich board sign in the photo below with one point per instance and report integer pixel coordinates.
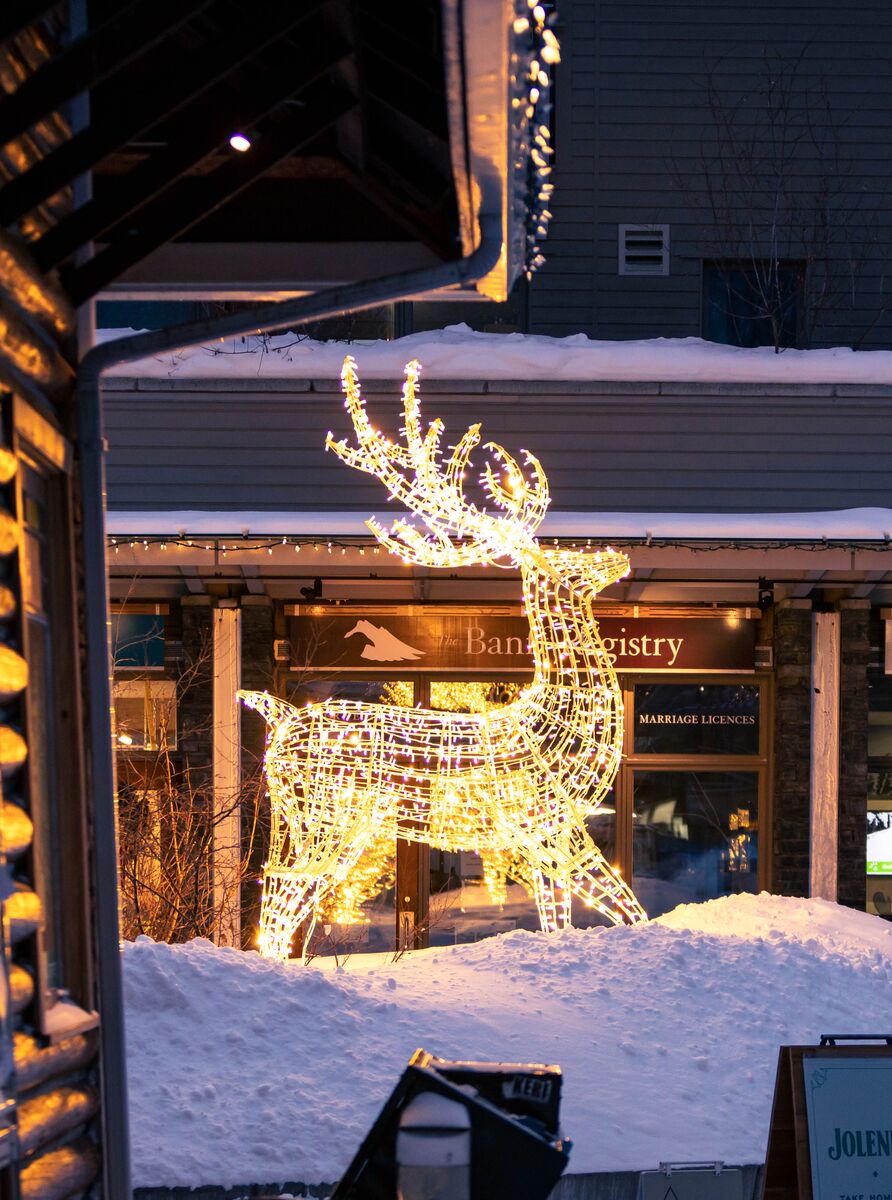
(831, 1124)
(691, 1181)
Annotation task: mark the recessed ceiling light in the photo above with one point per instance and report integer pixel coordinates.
(239, 142)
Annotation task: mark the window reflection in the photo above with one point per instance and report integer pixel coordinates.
(360, 917)
(694, 836)
(474, 897)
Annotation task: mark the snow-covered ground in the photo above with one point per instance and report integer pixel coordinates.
(245, 1071)
(458, 352)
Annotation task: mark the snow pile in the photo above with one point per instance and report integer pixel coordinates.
(243, 1071)
(458, 352)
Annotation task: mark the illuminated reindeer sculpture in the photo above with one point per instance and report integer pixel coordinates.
(515, 784)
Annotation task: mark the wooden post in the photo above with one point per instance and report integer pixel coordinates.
(824, 773)
(412, 894)
(227, 773)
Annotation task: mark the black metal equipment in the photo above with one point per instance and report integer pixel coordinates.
(833, 1039)
(516, 1150)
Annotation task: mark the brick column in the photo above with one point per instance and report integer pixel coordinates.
(792, 746)
(195, 752)
(854, 657)
(195, 701)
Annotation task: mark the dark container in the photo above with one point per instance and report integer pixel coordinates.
(516, 1152)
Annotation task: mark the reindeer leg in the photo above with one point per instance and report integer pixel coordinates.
(280, 885)
(495, 870)
(547, 900)
(601, 887)
(303, 869)
(283, 908)
(541, 871)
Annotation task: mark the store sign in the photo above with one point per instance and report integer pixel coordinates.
(426, 640)
(696, 718)
(445, 640)
(679, 643)
(849, 1105)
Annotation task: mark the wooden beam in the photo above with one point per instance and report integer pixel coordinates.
(805, 587)
(867, 584)
(212, 119)
(635, 587)
(194, 582)
(16, 15)
(129, 114)
(824, 773)
(418, 167)
(129, 33)
(253, 582)
(418, 222)
(173, 215)
(422, 101)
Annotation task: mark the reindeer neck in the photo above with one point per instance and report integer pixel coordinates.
(567, 651)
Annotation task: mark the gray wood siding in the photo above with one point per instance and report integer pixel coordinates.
(606, 447)
(631, 118)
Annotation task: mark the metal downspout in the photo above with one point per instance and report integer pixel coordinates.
(91, 449)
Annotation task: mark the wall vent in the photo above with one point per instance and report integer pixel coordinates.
(644, 249)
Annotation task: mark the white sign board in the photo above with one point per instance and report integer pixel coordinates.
(849, 1106)
(691, 1184)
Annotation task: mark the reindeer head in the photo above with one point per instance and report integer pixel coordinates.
(457, 530)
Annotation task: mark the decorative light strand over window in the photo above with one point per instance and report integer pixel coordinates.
(514, 784)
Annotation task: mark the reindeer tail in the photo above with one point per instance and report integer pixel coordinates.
(271, 708)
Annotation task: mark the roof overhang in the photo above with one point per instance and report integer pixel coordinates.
(379, 140)
(703, 559)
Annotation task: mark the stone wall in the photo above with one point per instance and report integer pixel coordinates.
(792, 743)
(854, 657)
(195, 694)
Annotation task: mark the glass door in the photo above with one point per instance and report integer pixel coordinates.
(474, 896)
(361, 916)
(694, 836)
(692, 789)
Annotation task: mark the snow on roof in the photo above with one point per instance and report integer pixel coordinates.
(245, 1071)
(851, 524)
(458, 352)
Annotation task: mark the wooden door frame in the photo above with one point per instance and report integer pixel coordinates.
(759, 764)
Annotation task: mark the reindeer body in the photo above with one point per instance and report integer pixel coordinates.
(514, 783)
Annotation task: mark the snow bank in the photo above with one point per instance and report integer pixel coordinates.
(458, 352)
(245, 1071)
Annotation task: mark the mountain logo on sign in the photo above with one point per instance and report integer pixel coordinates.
(383, 646)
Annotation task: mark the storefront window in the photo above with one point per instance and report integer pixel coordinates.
(145, 714)
(473, 897)
(361, 916)
(138, 641)
(694, 836)
(696, 718)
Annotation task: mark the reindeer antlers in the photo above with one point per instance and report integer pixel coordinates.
(434, 491)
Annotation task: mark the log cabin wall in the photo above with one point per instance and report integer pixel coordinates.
(50, 1091)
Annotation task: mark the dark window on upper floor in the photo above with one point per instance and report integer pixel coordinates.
(752, 303)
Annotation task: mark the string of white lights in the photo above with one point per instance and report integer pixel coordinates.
(514, 784)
